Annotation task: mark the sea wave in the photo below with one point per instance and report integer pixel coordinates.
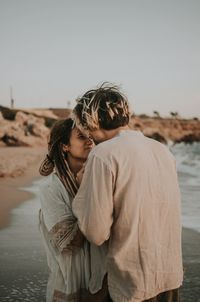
(188, 167)
(187, 158)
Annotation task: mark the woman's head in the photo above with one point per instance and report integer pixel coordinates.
(65, 142)
(60, 134)
(78, 146)
(65, 139)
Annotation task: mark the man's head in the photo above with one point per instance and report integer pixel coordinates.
(101, 110)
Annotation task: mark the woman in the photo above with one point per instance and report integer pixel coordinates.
(69, 255)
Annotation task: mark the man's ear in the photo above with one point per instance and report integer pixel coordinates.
(65, 148)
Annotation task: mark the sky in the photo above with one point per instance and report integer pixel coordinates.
(51, 52)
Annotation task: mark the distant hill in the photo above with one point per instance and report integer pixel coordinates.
(61, 112)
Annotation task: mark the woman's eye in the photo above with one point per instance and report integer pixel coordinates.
(82, 137)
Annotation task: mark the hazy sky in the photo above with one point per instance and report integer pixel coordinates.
(53, 51)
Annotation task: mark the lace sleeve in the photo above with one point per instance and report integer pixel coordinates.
(66, 236)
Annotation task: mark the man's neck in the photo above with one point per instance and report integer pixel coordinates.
(114, 132)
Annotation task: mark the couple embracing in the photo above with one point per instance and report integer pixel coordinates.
(110, 208)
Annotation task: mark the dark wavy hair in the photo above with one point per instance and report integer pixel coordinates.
(55, 159)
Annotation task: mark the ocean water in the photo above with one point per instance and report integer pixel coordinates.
(23, 267)
(188, 167)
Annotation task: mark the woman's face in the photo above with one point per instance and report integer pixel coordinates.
(80, 145)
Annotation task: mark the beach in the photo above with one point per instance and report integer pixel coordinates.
(18, 168)
(190, 291)
(24, 271)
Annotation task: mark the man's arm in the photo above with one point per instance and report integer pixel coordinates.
(93, 204)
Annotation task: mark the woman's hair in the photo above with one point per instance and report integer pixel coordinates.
(55, 159)
(105, 107)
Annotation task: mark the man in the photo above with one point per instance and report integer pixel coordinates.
(129, 194)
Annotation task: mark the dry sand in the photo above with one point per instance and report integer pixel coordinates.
(14, 161)
(23, 271)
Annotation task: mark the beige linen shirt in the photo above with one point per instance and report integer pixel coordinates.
(130, 195)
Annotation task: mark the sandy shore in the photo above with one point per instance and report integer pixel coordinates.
(190, 291)
(23, 265)
(23, 273)
(18, 168)
(15, 161)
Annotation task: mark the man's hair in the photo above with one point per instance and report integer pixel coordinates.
(105, 107)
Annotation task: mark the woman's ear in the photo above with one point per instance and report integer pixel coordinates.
(65, 148)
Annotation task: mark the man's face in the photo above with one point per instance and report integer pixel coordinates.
(98, 135)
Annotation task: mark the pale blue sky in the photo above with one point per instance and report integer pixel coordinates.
(53, 51)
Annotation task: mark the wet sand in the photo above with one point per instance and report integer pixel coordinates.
(190, 291)
(23, 272)
(18, 168)
(23, 268)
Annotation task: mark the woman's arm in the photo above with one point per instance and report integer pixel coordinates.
(58, 218)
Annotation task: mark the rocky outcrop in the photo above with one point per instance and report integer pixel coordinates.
(29, 127)
(46, 114)
(168, 129)
(24, 130)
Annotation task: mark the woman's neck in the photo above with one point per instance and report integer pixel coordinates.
(75, 164)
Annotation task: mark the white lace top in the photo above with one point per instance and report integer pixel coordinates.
(72, 269)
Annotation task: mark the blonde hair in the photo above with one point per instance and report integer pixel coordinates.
(105, 107)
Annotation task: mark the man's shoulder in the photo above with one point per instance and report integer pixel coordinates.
(109, 151)
(128, 143)
(120, 141)
(105, 147)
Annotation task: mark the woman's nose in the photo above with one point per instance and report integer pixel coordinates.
(90, 141)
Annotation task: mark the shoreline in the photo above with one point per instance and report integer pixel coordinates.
(11, 186)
